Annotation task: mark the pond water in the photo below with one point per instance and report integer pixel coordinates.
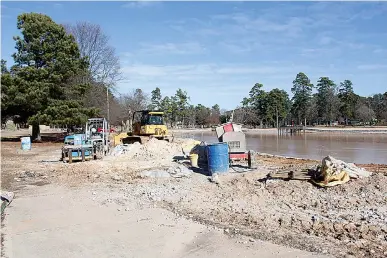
(359, 148)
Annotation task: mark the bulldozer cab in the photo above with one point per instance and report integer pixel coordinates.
(148, 117)
(146, 122)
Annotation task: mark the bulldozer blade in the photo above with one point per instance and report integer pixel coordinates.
(132, 139)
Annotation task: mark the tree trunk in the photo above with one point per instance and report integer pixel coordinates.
(36, 133)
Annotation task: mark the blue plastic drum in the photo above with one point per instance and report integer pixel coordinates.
(25, 143)
(218, 158)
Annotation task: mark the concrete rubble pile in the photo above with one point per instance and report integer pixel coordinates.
(331, 172)
(120, 149)
(177, 171)
(335, 172)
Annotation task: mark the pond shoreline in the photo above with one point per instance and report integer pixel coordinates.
(319, 130)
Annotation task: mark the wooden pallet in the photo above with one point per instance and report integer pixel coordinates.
(302, 174)
(84, 152)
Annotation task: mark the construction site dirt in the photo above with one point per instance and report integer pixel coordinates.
(342, 221)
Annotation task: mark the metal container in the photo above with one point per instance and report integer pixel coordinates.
(200, 151)
(218, 158)
(25, 143)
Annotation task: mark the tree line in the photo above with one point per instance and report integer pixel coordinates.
(178, 112)
(331, 104)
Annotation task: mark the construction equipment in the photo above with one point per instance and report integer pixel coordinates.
(146, 125)
(76, 148)
(93, 144)
(232, 134)
(97, 134)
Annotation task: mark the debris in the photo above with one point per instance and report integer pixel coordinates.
(117, 177)
(6, 199)
(303, 174)
(25, 174)
(174, 171)
(7, 196)
(179, 171)
(120, 149)
(155, 173)
(331, 172)
(188, 146)
(215, 179)
(335, 172)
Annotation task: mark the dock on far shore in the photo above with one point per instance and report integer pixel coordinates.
(297, 129)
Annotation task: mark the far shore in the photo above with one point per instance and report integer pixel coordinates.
(267, 131)
(320, 130)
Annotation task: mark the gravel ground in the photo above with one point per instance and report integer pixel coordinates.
(345, 220)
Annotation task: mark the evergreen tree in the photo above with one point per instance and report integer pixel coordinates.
(42, 86)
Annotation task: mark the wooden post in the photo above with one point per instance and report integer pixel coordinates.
(83, 154)
(70, 152)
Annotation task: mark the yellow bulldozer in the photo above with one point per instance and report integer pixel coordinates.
(146, 125)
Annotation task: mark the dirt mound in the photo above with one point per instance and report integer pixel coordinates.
(153, 150)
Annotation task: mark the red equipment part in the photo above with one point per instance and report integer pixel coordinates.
(239, 155)
(228, 128)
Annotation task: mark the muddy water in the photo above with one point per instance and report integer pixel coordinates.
(366, 148)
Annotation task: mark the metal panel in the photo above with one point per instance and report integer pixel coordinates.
(235, 137)
(219, 132)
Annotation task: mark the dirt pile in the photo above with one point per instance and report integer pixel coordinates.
(152, 150)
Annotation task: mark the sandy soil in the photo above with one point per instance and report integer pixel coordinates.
(346, 220)
(93, 221)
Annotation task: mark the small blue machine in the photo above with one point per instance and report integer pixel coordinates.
(76, 148)
(93, 144)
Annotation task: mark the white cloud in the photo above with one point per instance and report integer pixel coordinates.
(380, 51)
(236, 47)
(205, 72)
(140, 4)
(368, 67)
(185, 48)
(15, 9)
(283, 25)
(58, 5)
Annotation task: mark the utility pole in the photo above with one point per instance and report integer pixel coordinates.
(276, 110)
(108, 108)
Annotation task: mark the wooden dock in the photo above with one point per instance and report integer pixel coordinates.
(298, 129)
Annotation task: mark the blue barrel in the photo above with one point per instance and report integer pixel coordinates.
(218, 158)
(25, 143)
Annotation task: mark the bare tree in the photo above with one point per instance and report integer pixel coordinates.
(104, 64)
(134, 101)
(364, 113)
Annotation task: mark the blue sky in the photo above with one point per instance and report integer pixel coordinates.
(216, 51)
